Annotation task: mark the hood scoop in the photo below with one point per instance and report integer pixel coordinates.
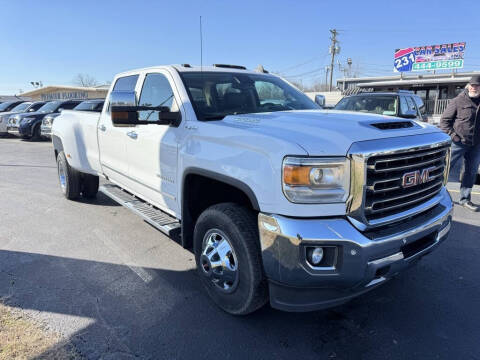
(391, 125)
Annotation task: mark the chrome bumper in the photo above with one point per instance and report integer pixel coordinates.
(363, 260)
(46, 131)
(13, 130)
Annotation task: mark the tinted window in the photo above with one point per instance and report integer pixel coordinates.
(215, 95)
(51, 106)
(381, 104)
(156, 91)
(403, 105)
(411, 104)
(69, 105)
(90, 106)
(420, 104)
(126, 83)
(6, 106)
(36, 106)
(21, 107)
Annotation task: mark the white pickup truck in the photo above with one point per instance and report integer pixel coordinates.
(279, 200)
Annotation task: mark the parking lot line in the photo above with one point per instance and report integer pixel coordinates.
(123, 256)
(457, 191)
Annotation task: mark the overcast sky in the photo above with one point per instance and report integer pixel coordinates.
(52, 41)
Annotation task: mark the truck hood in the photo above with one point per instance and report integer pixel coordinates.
(324, 132)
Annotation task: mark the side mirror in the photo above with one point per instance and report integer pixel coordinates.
(60, 110)
(124, 111)
(409, 114)
(320, 100)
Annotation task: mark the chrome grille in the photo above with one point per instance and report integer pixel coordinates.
(384, 193)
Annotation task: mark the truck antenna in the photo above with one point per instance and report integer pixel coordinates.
(201, 45)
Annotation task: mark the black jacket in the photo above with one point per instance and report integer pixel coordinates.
(462, 118)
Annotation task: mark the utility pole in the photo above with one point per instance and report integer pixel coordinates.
(334, 50)
(327, 69)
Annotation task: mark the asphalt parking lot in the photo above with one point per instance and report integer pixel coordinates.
(116, 288)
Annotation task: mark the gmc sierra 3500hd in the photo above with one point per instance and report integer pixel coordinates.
(278, 199)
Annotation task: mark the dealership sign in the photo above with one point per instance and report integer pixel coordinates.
(65, 95)
(432, 57)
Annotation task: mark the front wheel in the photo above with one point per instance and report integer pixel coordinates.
(227, 253)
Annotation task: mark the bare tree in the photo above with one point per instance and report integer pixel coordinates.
(85, 80)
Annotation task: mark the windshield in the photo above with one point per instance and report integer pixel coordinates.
(5, 105)
(21, 107)
(215, 95)
(50, 106)
(89, 106)
(385, 105)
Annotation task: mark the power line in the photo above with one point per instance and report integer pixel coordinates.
(298, 65)
(305, 73)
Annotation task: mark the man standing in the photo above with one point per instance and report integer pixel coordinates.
(461, 120)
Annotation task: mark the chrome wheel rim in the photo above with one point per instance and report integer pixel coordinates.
(218, 260)
(61, 176)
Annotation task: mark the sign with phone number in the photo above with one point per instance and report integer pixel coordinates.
(437, 65)
(433, 57)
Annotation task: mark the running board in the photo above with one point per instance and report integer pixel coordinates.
(157, 218)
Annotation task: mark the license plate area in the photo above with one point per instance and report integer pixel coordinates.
(417, 246)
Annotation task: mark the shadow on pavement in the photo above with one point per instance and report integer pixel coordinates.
(120, 312)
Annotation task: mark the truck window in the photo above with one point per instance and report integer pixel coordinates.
(215, 95)
(411, 105)
(420, 104)
(156, 91)
(269, 93)
(403, 105)
(126, 83)
(383, 104)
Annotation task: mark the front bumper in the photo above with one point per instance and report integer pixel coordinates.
(13, 130)
(362, 261)
(3, 126)
(46, 131)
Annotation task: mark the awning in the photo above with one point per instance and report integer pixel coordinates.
(451, 80)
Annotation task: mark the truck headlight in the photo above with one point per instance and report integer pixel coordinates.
(316, 180)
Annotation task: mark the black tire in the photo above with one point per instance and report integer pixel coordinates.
(239, 224)
(70, 184)
(36, 135)
(89, 186)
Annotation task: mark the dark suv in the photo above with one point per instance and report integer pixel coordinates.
(27, 125)
(404, 104)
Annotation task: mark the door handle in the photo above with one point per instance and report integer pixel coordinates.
(132, 134)
(102, 127)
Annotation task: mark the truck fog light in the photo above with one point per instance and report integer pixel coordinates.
(315, 255)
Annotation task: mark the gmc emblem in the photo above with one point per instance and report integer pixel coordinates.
(416, 177)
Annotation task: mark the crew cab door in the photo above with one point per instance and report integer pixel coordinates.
(152, 148)
(112, 140)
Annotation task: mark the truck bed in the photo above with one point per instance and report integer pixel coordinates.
(81, 146)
